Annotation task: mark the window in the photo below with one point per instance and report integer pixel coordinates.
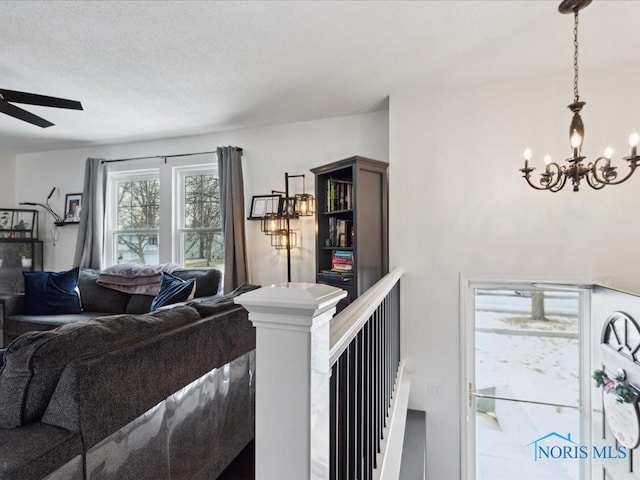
(164, 214)
(201, 243)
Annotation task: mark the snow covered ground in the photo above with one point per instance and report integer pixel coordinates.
(514, 355)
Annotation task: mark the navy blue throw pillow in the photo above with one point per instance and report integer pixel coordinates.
(51, 293)
(172, 290)
(2, 350)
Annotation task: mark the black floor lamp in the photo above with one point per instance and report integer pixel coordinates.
(278, 225)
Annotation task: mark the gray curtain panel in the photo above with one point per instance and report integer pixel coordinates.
(90, 241)
(232, 203)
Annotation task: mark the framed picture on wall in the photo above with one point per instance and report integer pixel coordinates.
(263, 204)
(72, 207)
(6, 219)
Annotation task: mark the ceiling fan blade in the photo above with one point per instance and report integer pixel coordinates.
(42, 100)
(20, 114)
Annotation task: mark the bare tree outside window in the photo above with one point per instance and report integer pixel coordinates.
(138, 220)
(203, 244)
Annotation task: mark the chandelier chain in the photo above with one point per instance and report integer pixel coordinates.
(575, 56)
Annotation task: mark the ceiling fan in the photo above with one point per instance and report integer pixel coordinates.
(7, 97)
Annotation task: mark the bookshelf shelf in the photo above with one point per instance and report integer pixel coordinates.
(338, 212)
(351, 198)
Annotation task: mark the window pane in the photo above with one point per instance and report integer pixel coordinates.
(201, 201)
(203, 249)
(139, 248)
(528, 343)
(138, 204)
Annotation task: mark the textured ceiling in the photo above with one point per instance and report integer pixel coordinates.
(146, 70)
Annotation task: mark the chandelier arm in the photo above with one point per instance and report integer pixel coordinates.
(562, 179)
(528, 179)
(607, 161)
(593, 181)
(551, 170)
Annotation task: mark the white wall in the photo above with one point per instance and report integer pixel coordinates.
(458, 205)
(269, 152)
(7, 180)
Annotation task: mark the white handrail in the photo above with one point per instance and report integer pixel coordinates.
(346, 325)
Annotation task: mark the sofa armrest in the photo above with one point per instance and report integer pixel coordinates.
(10, 304)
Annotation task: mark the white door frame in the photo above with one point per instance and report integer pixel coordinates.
(467, 356)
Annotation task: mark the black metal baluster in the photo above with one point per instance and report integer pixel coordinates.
(390, 371)
(342, 417)
(367, 402)
(381, 378)
(352, 411)
(333, 427)
(360, 404)
(376, 386)
(386, 361)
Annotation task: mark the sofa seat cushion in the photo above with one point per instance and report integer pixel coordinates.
(35, 450)
(35, 360)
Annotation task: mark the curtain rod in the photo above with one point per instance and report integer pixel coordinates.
(163, 156)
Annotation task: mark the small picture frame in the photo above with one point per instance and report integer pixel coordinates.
(23, 223)
(6, 219)
(263, 204)
(287, 207)
(72, 207)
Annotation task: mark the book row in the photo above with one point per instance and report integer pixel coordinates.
(339, 195)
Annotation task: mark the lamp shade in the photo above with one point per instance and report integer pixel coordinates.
(272, 223)
(283, 239)
(304, 204)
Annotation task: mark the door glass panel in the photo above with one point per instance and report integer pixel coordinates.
(506, 447)
(527, 348)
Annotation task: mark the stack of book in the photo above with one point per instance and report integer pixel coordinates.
(341, 267)
(342, 261)
(339, 194)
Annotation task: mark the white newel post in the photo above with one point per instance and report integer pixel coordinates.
(292, 378)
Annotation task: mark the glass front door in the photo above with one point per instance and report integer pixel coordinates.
(524, 389)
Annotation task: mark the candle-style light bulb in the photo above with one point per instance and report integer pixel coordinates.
(576, 139)
(527, 156)
(608, 153)
(576, 142)
(634, 139)
(547, 159)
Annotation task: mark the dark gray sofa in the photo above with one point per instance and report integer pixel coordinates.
(96, 301)
(165, 395)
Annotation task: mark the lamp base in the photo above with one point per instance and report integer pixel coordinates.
(570, 6)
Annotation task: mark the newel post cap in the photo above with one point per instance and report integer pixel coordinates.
(298, 303)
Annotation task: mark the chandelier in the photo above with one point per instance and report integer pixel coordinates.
(598, 173)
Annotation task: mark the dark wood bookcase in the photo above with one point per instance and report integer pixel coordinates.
(352, 241)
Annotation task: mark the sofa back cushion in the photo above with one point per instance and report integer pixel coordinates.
(208, 281)
(34, 361)
(96, 396)
(95, 298)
